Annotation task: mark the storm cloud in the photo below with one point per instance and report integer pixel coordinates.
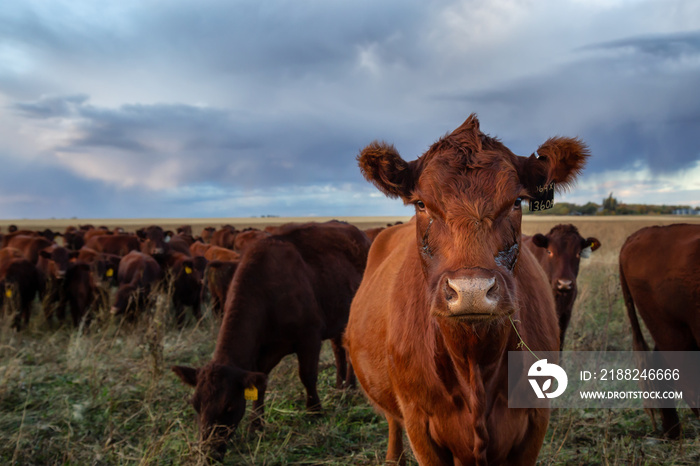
(246, 108)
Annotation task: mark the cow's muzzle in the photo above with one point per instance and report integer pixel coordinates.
(472, 294)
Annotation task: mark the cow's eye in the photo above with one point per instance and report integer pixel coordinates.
(420, 205)
(517, 203)
(550, 252)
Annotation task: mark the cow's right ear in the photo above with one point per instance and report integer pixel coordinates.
(382, 165)
(540, 240)
(188, 375)
(559, 160)
(255, 379)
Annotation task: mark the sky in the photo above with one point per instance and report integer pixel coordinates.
(171, 108)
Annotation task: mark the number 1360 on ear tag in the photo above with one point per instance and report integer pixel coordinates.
(251, 393)
(543, 199)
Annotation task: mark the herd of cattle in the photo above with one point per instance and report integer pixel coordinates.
(422, 313)
(76, 275)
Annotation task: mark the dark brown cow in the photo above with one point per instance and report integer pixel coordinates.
(185, 275)
(290, 292)
(79, 292)
(429, 329)
(225, 237)
(138, 273)
(660, 277)
(73, 238)
(218, 276)
(20, 281)
(153, 240)
(104, 266)
(559, 253)
(53, 264)
(53, 260)
(119, 245)
(29, 245)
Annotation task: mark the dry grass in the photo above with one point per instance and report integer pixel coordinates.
(104, 394)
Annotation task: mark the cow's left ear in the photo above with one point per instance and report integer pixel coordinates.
(592, 243)
(559, 160)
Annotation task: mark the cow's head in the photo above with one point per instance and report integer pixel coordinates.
(219, 400)
(153, 240)
(564, 247)
(467, 191)
(54, 260)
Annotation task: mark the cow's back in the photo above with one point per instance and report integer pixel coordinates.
(319, 263)
(660, 268)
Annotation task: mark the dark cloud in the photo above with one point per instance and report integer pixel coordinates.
(210, 144)
(51, 107)
(629, 108)
(672, 45)
(218, 106)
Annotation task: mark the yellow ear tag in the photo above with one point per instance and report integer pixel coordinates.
(188, 270)
(8, 293)
(109, 272)
(251, 393)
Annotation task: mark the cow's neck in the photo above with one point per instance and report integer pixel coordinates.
(485, 346)
(238, 342)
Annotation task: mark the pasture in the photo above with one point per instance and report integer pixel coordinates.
(106, 395)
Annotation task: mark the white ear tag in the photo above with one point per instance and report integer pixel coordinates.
(586, 252)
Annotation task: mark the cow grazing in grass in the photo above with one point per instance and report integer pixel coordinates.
(559, 252)
(290, 292)
(138, 274)
(430, 326)
(660, 278)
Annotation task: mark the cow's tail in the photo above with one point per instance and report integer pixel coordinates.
(638, 342)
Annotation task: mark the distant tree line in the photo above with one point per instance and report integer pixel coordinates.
(611, 206)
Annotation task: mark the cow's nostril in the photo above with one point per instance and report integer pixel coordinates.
(492, 293)
(450, 293)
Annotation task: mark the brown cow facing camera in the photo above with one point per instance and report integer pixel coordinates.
(559, 253)
(433, 320)
(289, 293)
(660, 278)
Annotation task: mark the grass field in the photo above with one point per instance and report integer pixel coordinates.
(105, 395)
